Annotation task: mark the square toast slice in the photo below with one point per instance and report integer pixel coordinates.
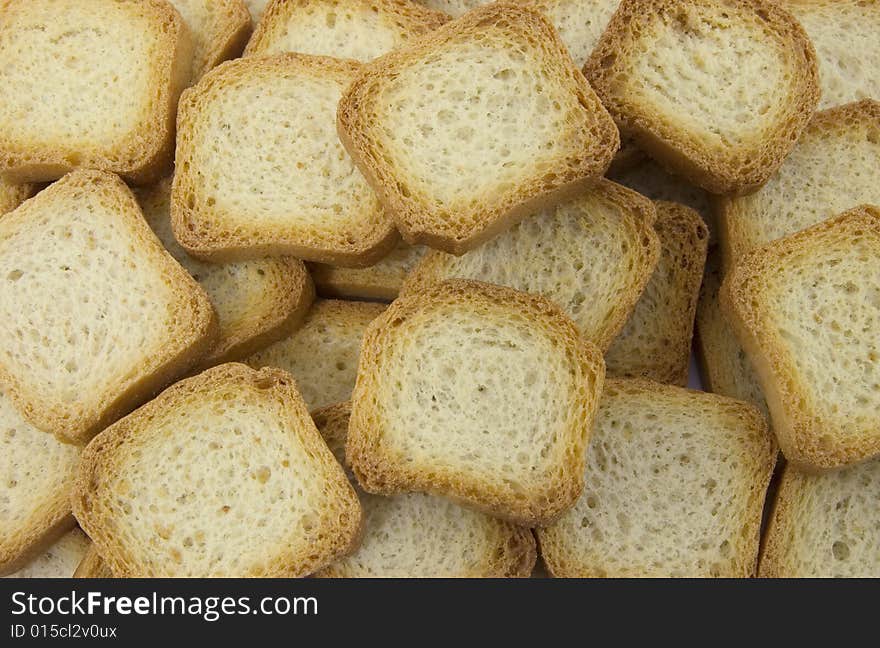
(592, 255)
(474, 126)
(257, 302)
(716, 90)
(261, 171)
(95, 316)
(478, 393)
(222, 475)
(381, 281)
(90, 84)
(675, 486)
(806, 309)
(351, 29)
(219, 31)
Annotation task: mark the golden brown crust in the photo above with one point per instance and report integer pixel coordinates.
(673, 148)
(420, 222)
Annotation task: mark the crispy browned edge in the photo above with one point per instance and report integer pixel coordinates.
(415, 18)
(234, 29)
(198, 338)
(746, 564)
(377, 474)
(677, 222)
(353, 124)
(282, 386)
(372, 283)
(516, 557)
(795, 429)
(92, 565)
(150, 153)
(37, 540)
(700, 166)
(228, 247)
(730, 216)
(644, 216)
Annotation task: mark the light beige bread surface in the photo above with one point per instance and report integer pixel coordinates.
(580, 23)
(95, 316)
(59, 560)
(655, 342)
(592, 255)
(381, 281)
(825, 526)
(256, 7)
(478, 393)
(415, 535)
(257, 302)
(350, 29)
(224, 474)
(219, 30)
(92, 565)
(806, 310)
(834, 166)
(90, 84)
(717, 90)
(323, 353)
(675, 485)
(261, 170)
(36, 478)
(455, 137)
(844, 33)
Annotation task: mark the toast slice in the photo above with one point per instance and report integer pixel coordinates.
(59, 560)
(95, 316)
(261, 171)
(439, 128)
(223, 474)
(724, 366)
(675, 486)
(479, 393)
(219, 31)
(12, 195)
(90, 84)
(805, 309)
(421, 536)
(825, 526)
(834, 167)
(592, 255)
(257, 302)
(323, 353)
(92, 565)
(655, 342)
(381, 281)
(716, 90)
(351, 29)
(844, 33)
(38, 472)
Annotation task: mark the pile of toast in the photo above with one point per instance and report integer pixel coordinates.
(382, 288)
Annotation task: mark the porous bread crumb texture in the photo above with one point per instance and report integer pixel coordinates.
(717, 90)
(834, 167)
(675, 486)
(454, 8)
(95, 316)
(844, 33)
(261, 170)
(724, 366)
(323, 353)
(592, 255)
(59, 560)
(479, 393)
(90, 84)
(580, 23)
(224, 474)
(12, 195)
(806, 309)
(349, 29)
(219, 30)
(416, 535)
(381, 281)
(655, 342)
(474, 126)
(37, 472)
(257, 302)
(92, 565)
(825, 526)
